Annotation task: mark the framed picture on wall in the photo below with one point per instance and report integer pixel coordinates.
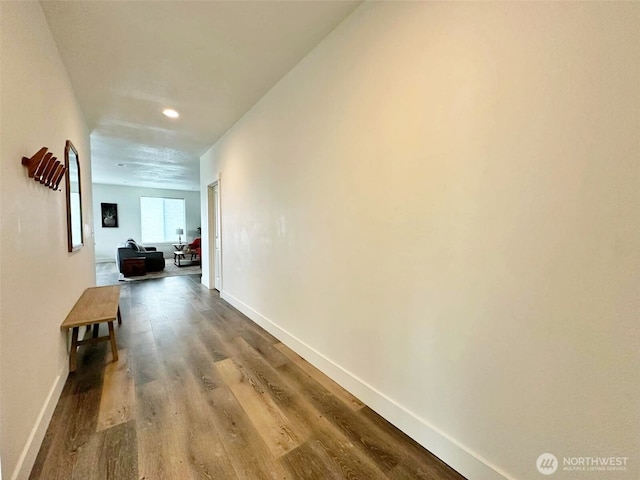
(109, 215)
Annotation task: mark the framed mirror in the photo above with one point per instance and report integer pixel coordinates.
(74, 198)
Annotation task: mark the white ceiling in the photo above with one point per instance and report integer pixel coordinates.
(209, 60)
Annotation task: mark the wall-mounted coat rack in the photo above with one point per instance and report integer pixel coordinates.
(43, 167)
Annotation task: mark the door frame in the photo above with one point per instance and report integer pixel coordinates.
(213, 211)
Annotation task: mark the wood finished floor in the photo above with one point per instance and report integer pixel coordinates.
(201, 392)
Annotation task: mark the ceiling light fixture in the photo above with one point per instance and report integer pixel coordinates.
(121, 164)
(170, 112)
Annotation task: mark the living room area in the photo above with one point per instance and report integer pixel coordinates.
(143, 233)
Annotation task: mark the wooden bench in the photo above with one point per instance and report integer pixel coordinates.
(96, 305)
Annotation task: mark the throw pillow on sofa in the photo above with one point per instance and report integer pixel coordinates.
(131, 243)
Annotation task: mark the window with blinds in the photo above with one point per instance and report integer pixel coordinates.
(160, 217)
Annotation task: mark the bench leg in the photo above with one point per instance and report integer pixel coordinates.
(74, 349)
(119, 316)
(114, 347)
(96, 328)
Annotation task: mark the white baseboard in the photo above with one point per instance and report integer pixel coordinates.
(449, 450)
(106, 260)
(31, 448)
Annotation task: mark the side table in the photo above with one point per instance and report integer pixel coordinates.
(177, 256)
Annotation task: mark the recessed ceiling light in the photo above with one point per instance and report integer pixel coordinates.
(171, 113)
(121, 164)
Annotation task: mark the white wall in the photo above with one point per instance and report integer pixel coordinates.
(128, 200)
(439, 207)
(39, 280)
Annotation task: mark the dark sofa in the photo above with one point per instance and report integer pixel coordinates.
(153, 260)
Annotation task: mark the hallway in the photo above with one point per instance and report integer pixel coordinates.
(200, 391)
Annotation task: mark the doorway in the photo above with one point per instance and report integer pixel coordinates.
(215, 238)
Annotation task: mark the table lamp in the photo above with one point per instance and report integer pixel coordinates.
(179, 232)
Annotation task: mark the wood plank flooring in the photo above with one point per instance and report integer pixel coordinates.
(201, 392)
